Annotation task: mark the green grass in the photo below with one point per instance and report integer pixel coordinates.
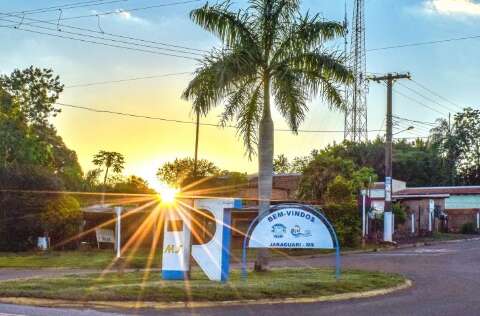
(100, 259)
(278, 283)
(91, 259)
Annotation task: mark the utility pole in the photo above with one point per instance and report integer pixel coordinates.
(195, 162)
(387, 211)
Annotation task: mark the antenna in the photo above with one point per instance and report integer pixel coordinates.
(356, 111)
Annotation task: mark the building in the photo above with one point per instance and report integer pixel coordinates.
(284, 187)
(460, 204)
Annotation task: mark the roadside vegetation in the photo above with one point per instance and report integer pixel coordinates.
(277, 283)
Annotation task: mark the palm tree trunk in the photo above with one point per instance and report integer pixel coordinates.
(265, 168)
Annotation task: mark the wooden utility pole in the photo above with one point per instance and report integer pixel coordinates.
(195, 162)
(387, 211)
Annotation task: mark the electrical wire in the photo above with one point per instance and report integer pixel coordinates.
(436, 94)
(96, 83)
(413, 121)
(105, 39)
(102, 32)
(119, 11)
(182, 121)
(73, 5)
(106, 44)
(425, 97)
(424, 43)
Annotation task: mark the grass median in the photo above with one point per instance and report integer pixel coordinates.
(275, 284)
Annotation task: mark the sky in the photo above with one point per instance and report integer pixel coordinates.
(450, 70)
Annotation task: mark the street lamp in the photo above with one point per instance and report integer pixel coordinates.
(407, 129)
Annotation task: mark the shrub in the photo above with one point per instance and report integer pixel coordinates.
(400, 213)
(341, 209)
(468, 228)
(21, 204)
(61, 219)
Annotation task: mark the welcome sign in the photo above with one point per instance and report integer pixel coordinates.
(291, 227)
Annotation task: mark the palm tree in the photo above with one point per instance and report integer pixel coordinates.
(109, 159)
(270, 48)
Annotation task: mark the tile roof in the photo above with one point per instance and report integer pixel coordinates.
(460, 190)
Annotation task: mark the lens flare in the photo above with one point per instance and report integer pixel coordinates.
(168, 194)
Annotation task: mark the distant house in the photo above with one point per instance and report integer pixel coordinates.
(460, 203)
(284, 187)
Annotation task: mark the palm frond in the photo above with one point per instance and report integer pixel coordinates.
(290, 96)
(237, 99)
(248, 117)
(308, 33)
(324, 64)
(219, 75)
(232, 28)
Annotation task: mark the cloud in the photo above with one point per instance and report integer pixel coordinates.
(124, 15)
(128, 16)
(452, 7)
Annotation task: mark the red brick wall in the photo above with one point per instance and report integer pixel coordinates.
(419, 207)
(456, 218)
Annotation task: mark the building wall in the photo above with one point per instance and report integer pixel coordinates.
(461, 209)
(420, 207)
(461, 202)
(458, 217)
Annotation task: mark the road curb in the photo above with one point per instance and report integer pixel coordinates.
(176, 305)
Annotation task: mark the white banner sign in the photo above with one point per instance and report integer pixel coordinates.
(292, 226)
(105, 235)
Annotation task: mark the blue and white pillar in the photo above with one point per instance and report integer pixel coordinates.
(176, 245)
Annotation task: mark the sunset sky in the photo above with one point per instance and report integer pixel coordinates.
(449, 69)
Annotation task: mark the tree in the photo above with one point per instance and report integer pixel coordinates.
(281, 164)
(109, 159)
(90, 180)
(132, 184)
(444, 140)
(324, 168)
(36, 91)
(61, 219)
(27, 99)
(21, 204)
(180, 172)
(467, 131)
(269, 48)
(341, 208)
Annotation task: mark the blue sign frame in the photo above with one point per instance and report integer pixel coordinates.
(306, 208)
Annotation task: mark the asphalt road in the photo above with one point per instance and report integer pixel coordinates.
(446, 282)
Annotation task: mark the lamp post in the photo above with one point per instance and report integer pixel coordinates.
(407, 129)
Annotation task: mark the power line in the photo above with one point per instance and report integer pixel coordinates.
(58, 25)
(67, 6)
(416, 127)
(436, 94)
(413, 137)
(426, 98)
(424, 43)
(182, 121)
(89, 84)
(413, 121)
(105, 44)
(119, 11)
(102, 38)
(416, 101)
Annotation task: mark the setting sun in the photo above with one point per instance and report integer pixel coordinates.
(167, 194)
